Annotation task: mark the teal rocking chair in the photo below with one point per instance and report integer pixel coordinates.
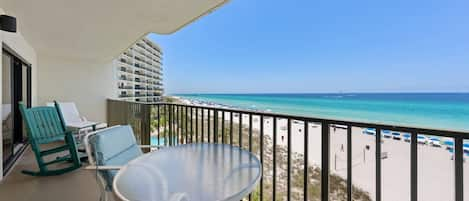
(44, 125)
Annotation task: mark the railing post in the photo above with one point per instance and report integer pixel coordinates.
(305, 165)
(208, 126)
(240, 130)
(158, 123)
(170, 125)
(325, 161)
(250, 132)
(289, 159)
(186, 123)
(459, 169)
(378, 164)
(196, 124)
(192, 124)
(202, 125)
(223, 127)
(349, 163)
(413, 167)
(274, 148)
(262, 153)
(231, 128)
(215, 126)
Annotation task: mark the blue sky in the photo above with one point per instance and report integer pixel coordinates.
(266, 46)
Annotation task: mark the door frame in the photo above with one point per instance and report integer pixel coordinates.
(16, 82)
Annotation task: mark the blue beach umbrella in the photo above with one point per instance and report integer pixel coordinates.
(369, 131)
(449, 142)
(451, 150)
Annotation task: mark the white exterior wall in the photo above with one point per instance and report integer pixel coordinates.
(87, 83)
(20, 47)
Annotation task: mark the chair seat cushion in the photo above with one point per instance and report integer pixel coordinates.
(115, 147)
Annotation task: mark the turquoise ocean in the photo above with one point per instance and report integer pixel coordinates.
(448, 111)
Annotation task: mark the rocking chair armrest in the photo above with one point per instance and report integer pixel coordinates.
(109, 167)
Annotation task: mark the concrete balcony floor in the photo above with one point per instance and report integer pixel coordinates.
(78, 185)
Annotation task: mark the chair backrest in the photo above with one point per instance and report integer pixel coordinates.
(43, 124)
(114, 146)
(69, 111)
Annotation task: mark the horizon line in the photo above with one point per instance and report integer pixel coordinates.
(247, 93)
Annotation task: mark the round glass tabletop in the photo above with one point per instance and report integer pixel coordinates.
(189, 172)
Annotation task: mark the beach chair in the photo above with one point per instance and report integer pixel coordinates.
(73, 119)
(108, 150)
(386, 133)
(44, 125)
(396, 135)
(435, 141)
(406, 137)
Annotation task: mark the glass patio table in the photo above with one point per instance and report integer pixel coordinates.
(198, 172)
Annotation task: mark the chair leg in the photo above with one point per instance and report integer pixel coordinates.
(73, 149)
(44, 171)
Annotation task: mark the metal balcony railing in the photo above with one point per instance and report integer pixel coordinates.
(286, 175)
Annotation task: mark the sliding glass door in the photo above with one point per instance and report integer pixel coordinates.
(16, 87)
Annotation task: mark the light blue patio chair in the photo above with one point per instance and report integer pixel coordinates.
(110, 149)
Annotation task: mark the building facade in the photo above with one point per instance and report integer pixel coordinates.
(139, 73)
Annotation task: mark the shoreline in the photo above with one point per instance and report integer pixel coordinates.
(435, 161)
(446, 112)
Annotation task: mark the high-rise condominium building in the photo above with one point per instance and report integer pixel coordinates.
(139, 72)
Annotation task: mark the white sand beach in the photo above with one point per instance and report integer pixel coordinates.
(435, 164)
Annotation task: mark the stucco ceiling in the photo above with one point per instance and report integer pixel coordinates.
(99, 29)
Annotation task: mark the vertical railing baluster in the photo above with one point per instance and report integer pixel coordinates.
(250, 142)
(274, 168)
(197, 125)
(192, 124)
(250, 132)
(305, 165)
(157, 123)
(186, 123)
(166, 126)
(173, 128)
(325, 161)
(349, 163)
(240, 130)
(459, 168)
(261, 146)
(202, 125)
(289, 159)
(223, 127)
(215, 126)
(170, 130)
(231, 128)
(378, 164)
(178, 126)
(208, 126)
(413, 167)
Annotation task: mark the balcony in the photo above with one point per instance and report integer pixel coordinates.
(331, 154)
(330, 176)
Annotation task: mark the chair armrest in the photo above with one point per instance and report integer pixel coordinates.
(94, 167)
